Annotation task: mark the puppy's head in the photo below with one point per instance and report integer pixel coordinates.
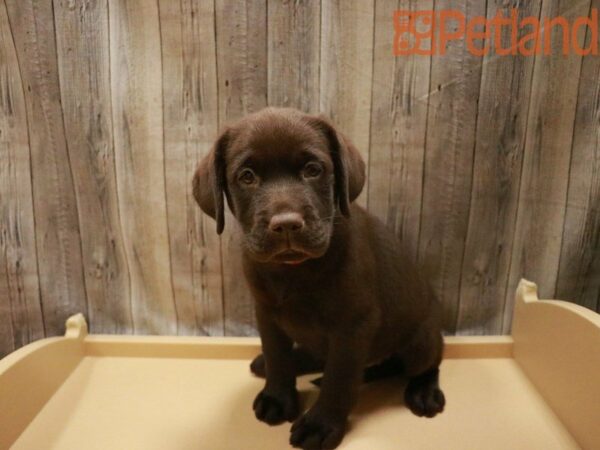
(284, 175)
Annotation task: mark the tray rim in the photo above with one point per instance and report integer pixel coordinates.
(494, 346)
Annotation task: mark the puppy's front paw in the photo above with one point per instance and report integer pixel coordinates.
(275, 408)
(314, 431)
(424, 400)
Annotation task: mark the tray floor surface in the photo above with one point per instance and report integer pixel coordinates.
(171, 404)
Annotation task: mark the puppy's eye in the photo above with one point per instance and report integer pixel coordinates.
(312, 170)
(246, 176)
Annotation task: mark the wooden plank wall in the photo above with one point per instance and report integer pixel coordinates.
(488, 168)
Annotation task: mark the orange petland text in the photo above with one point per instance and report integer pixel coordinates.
(430, 33)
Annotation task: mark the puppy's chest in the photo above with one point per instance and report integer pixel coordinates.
(305, 331)
(302, 315)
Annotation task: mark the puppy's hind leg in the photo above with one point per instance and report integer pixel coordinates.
(421, 360)
(304, 363)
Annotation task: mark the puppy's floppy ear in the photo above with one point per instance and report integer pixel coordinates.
(348, 165)
(210, 181)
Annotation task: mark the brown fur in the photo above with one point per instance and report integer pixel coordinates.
(333, 288)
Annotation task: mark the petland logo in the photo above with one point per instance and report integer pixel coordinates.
(430, 32)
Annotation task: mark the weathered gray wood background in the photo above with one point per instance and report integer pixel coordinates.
(488, 168)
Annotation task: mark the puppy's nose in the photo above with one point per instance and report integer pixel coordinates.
(289, 221)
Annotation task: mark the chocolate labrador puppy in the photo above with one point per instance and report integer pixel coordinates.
(333, 289)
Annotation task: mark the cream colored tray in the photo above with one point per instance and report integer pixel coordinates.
(539, 389)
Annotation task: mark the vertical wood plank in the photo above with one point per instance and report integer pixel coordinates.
(242, 89)
(293, 55)
(83, 61)
(346, 72)
(136, 84)
(58, 244)
(398, 127)
(545, 177)
(190, 127)
(579, 269)
(450, 141)
(500, 139)
(21, 318)
(241, 58)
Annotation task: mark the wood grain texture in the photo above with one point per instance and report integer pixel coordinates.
(346, 70)
(447, 179)
(241, 49)
(293, 53)
(398, 129)
(579, 269)
(84, 69)
(242, 88)
(487, 168)
(58, 243)
(21, 319)
(500, 139)
(190, 126)
(544, 181)
(136, 82)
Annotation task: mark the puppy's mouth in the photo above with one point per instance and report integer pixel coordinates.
(266, 247)
(291, 257)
